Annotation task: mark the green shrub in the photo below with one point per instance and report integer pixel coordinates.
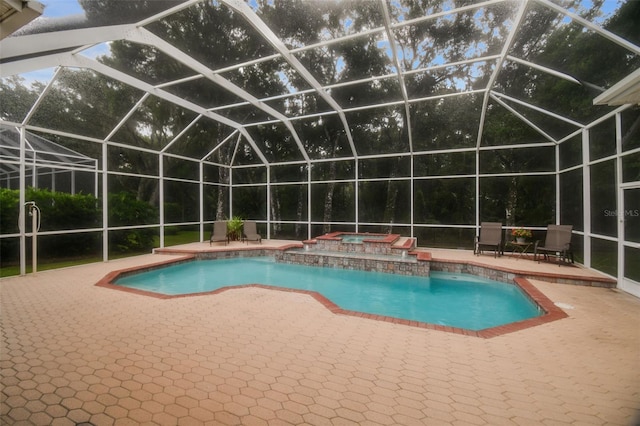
(9, 211)
(58, 211)
(234, 228)
(125, 210)
(63, 211)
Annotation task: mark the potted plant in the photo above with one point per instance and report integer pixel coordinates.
(521, 234)
(234, 228)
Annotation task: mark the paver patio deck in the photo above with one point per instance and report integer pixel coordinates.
(72, 352)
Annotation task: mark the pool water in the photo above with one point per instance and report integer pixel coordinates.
(358, 239)
(455, 300)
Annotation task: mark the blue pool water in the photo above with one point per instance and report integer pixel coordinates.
(463, 301)
(358, 239)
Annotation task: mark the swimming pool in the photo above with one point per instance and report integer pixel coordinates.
(455, 300)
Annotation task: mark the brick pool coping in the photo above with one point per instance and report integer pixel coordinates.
(551, 312)
(335, 236)
(502, 273)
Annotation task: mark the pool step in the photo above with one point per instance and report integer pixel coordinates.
(405, 243)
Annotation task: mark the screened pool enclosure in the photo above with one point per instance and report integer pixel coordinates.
(421, 118)
(47, 164)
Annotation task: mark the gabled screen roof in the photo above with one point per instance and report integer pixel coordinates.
(293, 73)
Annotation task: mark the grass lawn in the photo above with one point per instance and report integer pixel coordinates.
(44, 264)
(7, 271)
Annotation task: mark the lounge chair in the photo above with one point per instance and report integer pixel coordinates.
(219, 232)
(490, 238)
(557, 242)
(249, 232)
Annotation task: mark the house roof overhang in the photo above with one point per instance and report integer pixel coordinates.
(626, 91)
(14, 14)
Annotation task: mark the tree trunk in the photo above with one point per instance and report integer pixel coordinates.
(328, 197)
(222, 194)
(512, 201)
(154, 199)
(633, 130)
(275, 210)
(149, 191)
(390, 206)
(392, 198)
(328, 203)
(392, 190)
(299, 210)
(223, 178)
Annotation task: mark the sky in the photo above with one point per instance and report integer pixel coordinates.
(56, 8)
(60, 8)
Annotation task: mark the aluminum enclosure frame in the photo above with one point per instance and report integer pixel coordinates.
(22, 54)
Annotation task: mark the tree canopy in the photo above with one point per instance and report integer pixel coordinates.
(434, 118)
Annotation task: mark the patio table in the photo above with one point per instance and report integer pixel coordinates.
(519, 248)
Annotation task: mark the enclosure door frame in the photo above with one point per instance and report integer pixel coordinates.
(627, 214)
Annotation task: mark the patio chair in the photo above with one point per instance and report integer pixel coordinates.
(249, 232)
(490, 238)
(219, 232)
(557, 242)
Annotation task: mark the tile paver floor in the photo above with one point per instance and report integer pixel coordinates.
(72, 352)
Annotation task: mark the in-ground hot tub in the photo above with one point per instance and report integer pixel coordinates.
(360, 238)
(388, 253)
(353, 242)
